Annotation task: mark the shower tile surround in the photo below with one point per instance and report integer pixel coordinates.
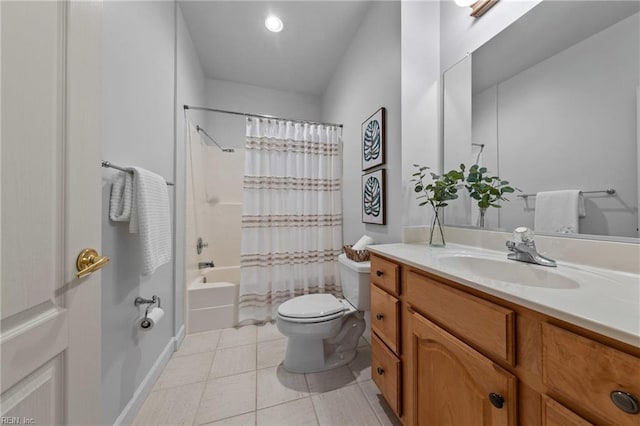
(213, 212)
(235, 377)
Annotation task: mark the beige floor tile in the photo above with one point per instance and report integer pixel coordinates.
(184, 370)
(269, 331)
(199, 342)
(230, 337)
(235, 360)
(248, 419)
(344, 407)
(275, 386)
(295, 413)
(271, 353)
(385, 415)
(361, 365)
(329, 380)
(227, 397)
(177, 405)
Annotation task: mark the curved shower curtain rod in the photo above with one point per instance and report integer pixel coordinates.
(246, 114)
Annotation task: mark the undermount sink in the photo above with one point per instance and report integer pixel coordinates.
(508, 271)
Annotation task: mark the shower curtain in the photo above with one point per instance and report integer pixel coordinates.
(292, 215)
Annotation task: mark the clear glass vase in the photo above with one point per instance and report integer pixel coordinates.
(436, 235)
(481, 219)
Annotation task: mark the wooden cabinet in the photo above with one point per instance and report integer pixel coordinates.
(444, 353)
(386, 365)
(453, 383)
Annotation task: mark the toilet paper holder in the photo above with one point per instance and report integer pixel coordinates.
(155, 300)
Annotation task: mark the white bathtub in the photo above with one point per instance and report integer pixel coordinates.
(213, 299)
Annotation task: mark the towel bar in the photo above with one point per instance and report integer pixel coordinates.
(609, 191)
(107, 164)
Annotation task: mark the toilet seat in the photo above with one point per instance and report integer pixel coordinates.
(312, 308)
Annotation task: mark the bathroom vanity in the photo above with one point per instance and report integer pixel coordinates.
(463, 336)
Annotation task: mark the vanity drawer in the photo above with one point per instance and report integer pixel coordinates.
(385, 275)
(487, 326)
(586, 372)
(385, 372)
(385, 317)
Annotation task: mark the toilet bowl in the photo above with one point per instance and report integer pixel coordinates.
(323, 331)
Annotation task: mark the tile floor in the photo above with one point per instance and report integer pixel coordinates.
(235, 377)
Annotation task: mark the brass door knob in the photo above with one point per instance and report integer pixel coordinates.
(89, 261)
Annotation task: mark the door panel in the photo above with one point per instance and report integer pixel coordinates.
(50, 335)
(37, 398)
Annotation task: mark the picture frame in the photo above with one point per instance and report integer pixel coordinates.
(374, 197)
(373, 140)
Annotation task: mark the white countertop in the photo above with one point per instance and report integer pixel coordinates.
(605, 301)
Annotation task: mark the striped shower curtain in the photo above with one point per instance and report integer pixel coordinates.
(291, 215)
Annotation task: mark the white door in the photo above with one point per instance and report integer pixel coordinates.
(50, 335)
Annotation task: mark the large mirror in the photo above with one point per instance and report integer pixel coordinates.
(552, 103)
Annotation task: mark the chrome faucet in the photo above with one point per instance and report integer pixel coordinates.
(523, 248)
(204, 265)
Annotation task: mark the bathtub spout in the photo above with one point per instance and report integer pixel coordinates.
(204, 265)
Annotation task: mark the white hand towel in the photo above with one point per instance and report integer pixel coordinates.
(558, 211)
(121, 200)
(362, 243)
(150, 217)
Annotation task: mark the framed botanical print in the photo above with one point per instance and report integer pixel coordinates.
(373, 140)
(373, 197)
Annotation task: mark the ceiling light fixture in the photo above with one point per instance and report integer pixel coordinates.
(478, 7)
(273, 24)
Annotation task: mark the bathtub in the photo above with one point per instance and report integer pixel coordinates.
(212, 299)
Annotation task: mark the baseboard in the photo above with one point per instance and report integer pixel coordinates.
(179, 338)
(142, 392)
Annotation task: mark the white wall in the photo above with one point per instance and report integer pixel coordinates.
(137, 130)
(420, 61)
(570, 122)
(190, 90)
(229, 130)
(367, 78)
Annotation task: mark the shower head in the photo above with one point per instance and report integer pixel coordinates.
(203, 131)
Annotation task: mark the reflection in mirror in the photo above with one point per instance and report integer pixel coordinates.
(552, 103)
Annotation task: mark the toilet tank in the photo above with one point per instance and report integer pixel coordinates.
(354, 277)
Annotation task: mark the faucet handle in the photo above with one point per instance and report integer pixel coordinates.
(523, 235)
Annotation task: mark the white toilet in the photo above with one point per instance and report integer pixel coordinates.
(323, 330)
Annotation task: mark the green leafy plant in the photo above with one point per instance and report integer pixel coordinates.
(437, 193)
(440, 190)
(487, 190)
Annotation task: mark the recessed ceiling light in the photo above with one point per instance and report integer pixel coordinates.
(273, 24)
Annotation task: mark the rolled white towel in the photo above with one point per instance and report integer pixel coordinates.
(362, 243)
(121, 201)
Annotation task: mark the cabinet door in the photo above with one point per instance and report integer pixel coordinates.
(453, 384)
(555, 414)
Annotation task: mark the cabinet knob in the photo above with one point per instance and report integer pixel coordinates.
(625, 401)
(496, 399)
(380, 371)
(379, 316)
(379, 273)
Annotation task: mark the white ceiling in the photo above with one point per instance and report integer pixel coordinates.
(233, 43)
